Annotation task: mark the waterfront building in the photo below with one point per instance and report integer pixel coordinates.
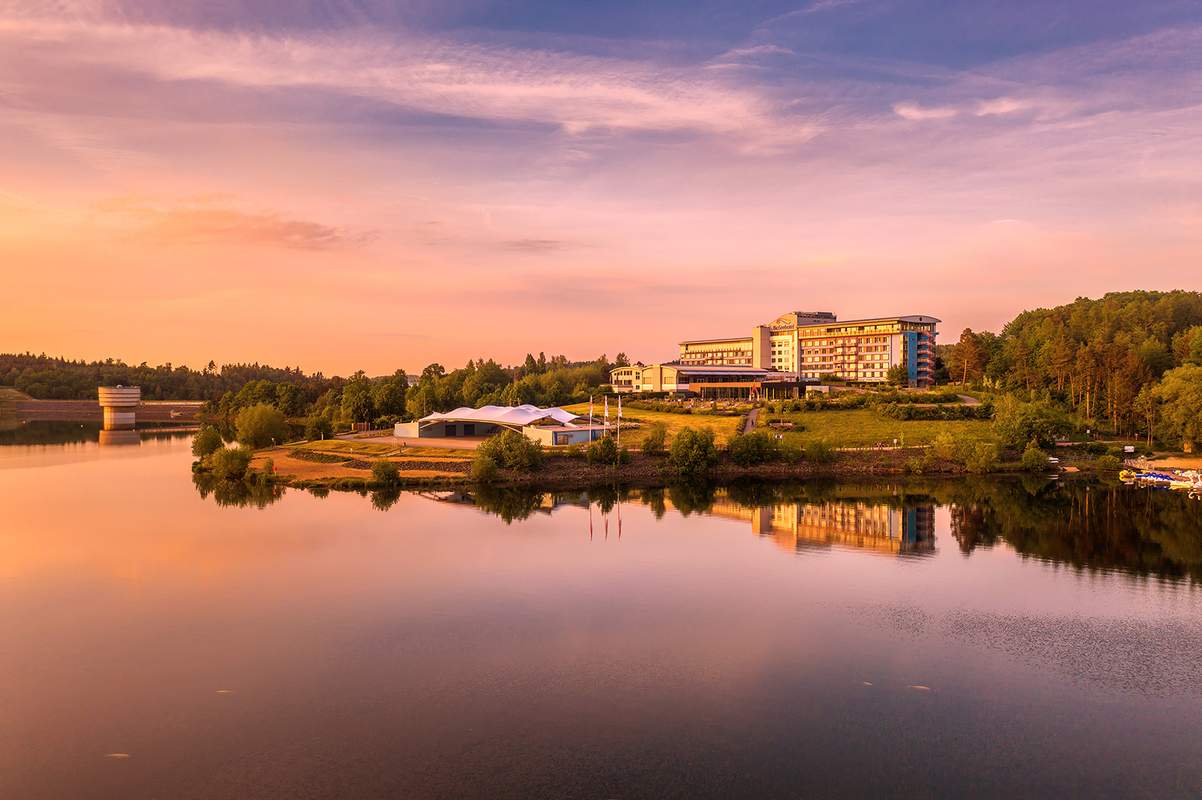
(549, 426)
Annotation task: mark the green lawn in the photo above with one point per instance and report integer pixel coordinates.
(864, 427)
(724, 427)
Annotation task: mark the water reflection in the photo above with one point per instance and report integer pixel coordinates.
(119, 436)
(254, 492)
(1086, 525)
(57, 432)
(1083, 524)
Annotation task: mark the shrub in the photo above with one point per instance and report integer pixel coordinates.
(206, 442)
(819, 451)
(624, 455)
(513, 450)
(693, 451)
(385, 473)
(574, 451)
(791, 453)
(945, 447)
(1034, 459)
(907, 412)
(656, 440)
(980, 457)
(757, 447)
(1108, 464)
(230, 463)
(484, 468)
(603, 451)
(261, 425)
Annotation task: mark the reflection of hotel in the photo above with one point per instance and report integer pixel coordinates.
(866, 526)
(862, 525)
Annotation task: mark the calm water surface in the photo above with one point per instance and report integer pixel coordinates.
(164, 639)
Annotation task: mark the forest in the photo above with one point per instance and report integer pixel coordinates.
(1129, 362)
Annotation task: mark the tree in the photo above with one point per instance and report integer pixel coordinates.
(898, 375)
(206, 442)
(289, 399)
(261, 425)
(693, 451)
(230, 463)
(966, 358)
(356, 400)
(317, 428)
(656, 439)
(1180, 395)
(388, 394)
(1147, 406)
(385, 473)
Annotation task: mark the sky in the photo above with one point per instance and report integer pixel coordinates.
(361, 184)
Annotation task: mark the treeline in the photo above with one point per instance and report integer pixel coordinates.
(542, 382)
(49, 378)
(231, 387)
(1130, 361)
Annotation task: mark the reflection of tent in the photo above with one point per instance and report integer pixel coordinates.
(512, 417)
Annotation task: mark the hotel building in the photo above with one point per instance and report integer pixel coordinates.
(814, 344)
(796, 348)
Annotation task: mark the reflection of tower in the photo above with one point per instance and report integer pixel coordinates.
(120, 405)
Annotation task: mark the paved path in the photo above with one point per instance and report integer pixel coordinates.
(749, 426)
(968, 401)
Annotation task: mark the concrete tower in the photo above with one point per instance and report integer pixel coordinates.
(120, 404)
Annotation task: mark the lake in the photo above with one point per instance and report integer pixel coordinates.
(168, 638)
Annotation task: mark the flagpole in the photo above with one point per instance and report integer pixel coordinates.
(619, 442)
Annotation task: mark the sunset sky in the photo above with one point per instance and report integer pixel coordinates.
(346, 184)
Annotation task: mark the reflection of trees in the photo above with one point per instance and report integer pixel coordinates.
(510, 504)
(691, 496)
(654, 499)
(754, 494)
(49, 432)
(1084, 524)
(606, 497)
(384, 499)
(255, 491)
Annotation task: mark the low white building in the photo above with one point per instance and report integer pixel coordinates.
(549, 426)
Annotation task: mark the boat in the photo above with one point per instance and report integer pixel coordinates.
(1181, 480)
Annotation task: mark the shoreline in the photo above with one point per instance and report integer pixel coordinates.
(565, 473)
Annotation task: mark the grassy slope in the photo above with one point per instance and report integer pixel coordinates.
(10, 395)
(724, 427)
(864, 427)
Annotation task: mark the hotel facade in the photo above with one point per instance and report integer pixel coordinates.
(802, 346)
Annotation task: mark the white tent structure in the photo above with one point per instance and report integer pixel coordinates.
(552, 426)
